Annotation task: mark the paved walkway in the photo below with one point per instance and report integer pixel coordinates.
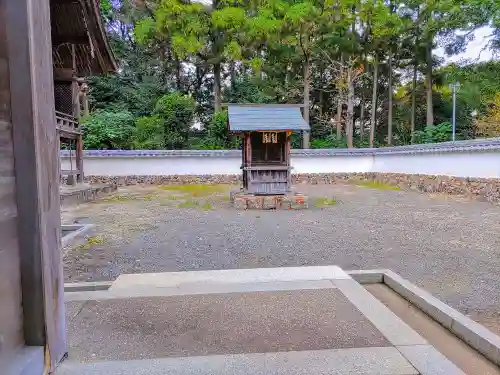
(298, 320)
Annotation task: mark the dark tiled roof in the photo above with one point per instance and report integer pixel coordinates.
(265, 117)
(482, 145)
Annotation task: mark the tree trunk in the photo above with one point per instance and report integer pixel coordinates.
(307, 89)
(362, 121)
(389, 113)
(178, 75)
(373, 118)
(339, 100)
(413, 102)
(217, 87)
(350, 108)
(232, 74)
(430, 110)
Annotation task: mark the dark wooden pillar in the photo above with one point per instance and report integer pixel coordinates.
(11, 312)
(248, 156)
(79, 158)
(288, 147)
(244, 160)
(36, 172)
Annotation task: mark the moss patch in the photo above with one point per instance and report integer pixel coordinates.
(378, 185)
(325, 202)
(91, 241)
(195, 190)
(195, 204)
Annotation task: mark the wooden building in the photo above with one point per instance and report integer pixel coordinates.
(38, 40)
(266, 130)
(79, 49)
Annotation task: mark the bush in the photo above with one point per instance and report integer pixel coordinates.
(434, 133)
(149, 133)
(329, 141)
(108, 130)
(177, 112)
(217, 135)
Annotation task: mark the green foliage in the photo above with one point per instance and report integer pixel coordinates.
(108, 130)
(149, 133)
(169, 126)
(248, 89)
(435, 133)
(217, 134)
(117, 92)
(329, 141)
(172, 52)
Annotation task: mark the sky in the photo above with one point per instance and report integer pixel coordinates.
(475, 49)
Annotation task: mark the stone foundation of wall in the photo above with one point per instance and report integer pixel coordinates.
(483, 189)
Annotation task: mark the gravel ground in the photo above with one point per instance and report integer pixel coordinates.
(449, 246)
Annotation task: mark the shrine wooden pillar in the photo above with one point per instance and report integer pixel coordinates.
(288, 149)
(30, 174)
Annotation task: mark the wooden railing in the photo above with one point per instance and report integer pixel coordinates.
(67, 125)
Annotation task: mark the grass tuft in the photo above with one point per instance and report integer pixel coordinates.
(207, 206)
(195, 204)
(188, 204)
(91, 241)
(378, 185)
(95, 240)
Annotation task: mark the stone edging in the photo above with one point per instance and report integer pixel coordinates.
(474, 334)
(77, 235)
(479, 188)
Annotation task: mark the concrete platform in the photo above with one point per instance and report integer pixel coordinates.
(324, 322)
(80, 193)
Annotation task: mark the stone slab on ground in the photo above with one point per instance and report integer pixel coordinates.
(364, 361)
(234, 276)
(219, 324)
(193, 289)
(392, 327)
(428, 361)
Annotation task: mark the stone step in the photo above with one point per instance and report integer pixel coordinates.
(233, 276)
(360, 361)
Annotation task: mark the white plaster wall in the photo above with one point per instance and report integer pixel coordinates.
(156, 166)
(481, 164)
(332, 164)
(459, 164)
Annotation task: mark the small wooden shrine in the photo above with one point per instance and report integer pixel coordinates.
(79, 49)
(266, 130)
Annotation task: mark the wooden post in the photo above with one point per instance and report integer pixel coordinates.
(34, 136)
(85, 99)
(288, 161)
(11, 311)
(249, 158)
(79, 159)
(244, 161)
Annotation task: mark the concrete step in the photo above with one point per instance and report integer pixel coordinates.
(360, 361)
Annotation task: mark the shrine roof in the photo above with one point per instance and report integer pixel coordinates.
(265, 117)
